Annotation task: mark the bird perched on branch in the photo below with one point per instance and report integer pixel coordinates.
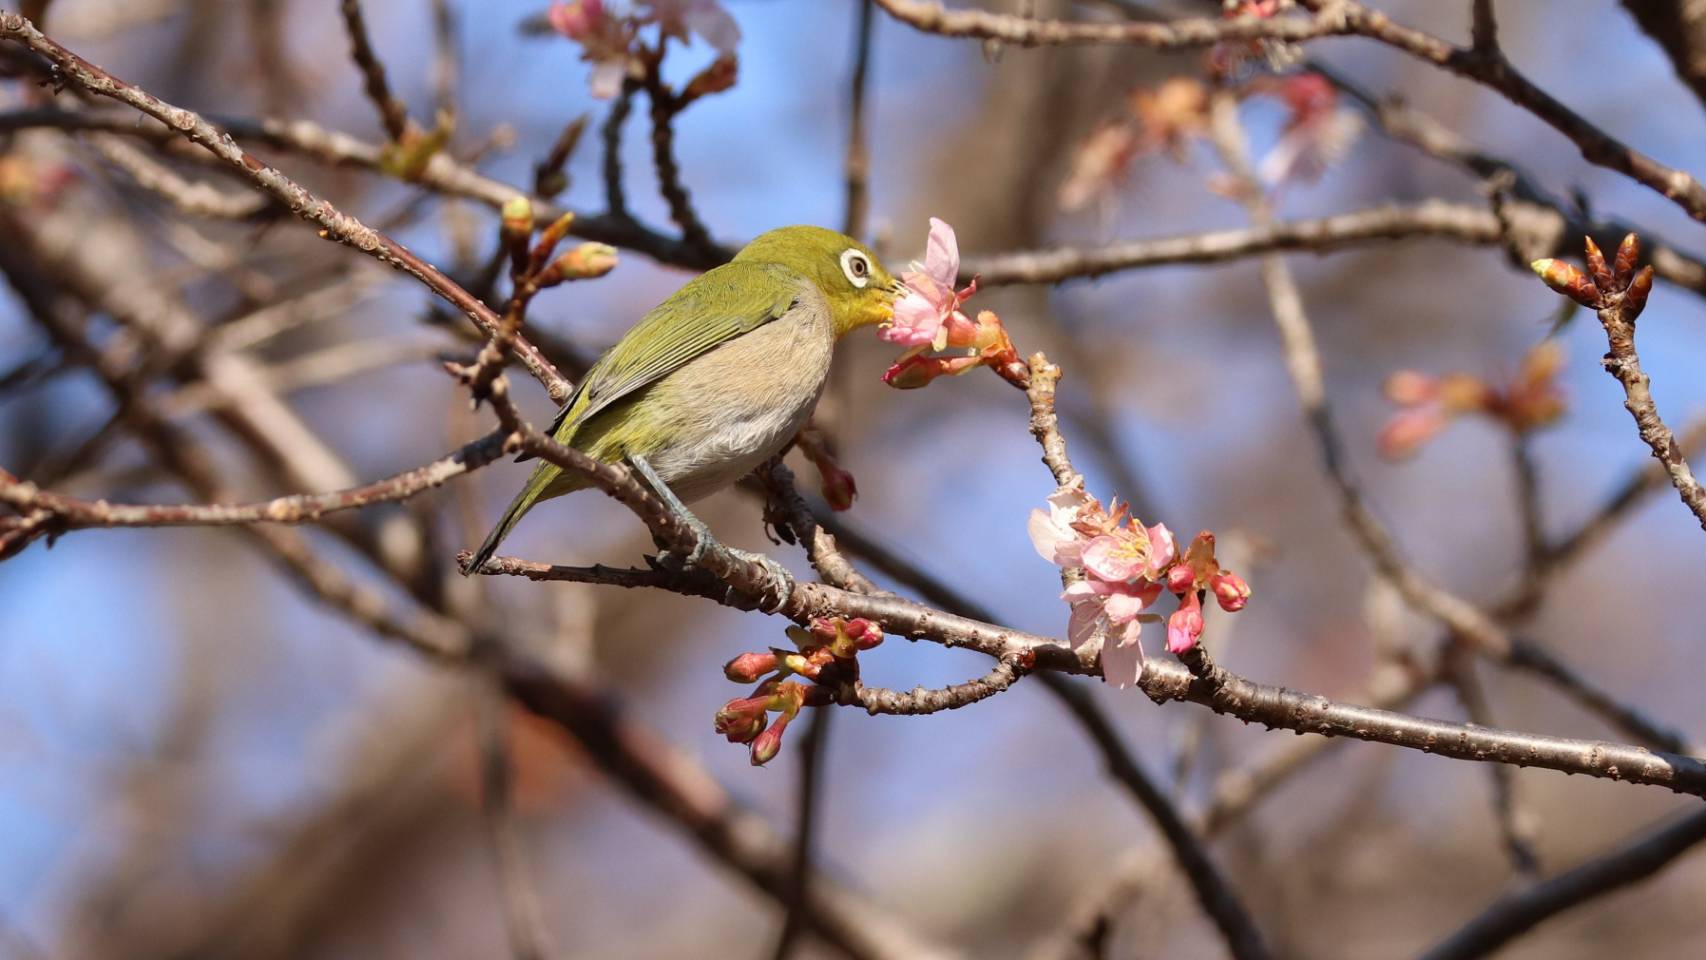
(719, 377)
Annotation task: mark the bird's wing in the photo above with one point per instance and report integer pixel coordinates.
(714, 308)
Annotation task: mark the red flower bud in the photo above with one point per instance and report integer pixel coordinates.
(768, 742)
(749, 667)
(742, 720)
(838, 486)
(865, 634)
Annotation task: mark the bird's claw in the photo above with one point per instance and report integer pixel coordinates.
(778, 583)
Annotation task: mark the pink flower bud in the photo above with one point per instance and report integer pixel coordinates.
(749, 667)
(1405, 433)
(1407, 388)
(1230, 590)
(1184, 627)
(917, 371)
(1181, 578)
(768, 742)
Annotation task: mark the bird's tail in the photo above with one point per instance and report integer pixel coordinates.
(530, 494)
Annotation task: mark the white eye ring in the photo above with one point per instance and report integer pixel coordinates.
(855, 267)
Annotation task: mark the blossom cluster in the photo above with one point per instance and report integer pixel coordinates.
(1172, 116)
(609, 35)
(1428, 404)
(928, 320)
(826, 655)
(1116, 568)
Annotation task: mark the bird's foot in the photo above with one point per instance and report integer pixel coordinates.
(777, 584)
(701, 533)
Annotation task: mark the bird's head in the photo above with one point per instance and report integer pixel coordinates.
(859, 290)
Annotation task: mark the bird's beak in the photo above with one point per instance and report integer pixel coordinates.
(885, 310)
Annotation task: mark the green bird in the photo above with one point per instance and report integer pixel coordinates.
(721, 376)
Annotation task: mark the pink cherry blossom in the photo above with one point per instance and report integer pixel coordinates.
(606, 41)
(1117, 568)
(922, 314)
(1317, 134)
(1428, 404)
(1118, 555)
(1114, 611)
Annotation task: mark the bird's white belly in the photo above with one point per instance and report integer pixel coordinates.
(739, 405)
(703, 466)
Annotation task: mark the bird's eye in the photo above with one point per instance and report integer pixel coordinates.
(856, 267)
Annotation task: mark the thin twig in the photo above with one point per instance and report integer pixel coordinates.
(1617, 316)
(1516, 822)
(932, 17)
(392, 114)
(1483, 29)
(75, 514)
(812, 749)
(1512, 916)
(857, 165)
(1496, 73)
(666, 105)
(529, 938)
(335, 224)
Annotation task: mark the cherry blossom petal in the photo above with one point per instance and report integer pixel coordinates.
(1086, 618)
(1114, 558)
(607, 76)
(1123, 662)
(716, 25)
(942, 255)
(1163, 550)
(1124, 604)
(916, 321)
